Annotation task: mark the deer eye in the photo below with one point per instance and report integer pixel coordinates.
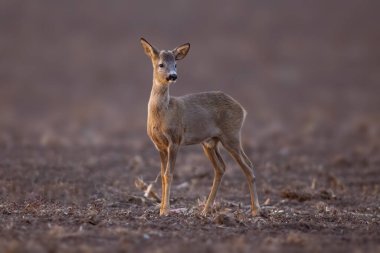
(175, 65)
(161, 65)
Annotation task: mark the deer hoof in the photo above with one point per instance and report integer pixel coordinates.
(205, 212)
(164, 212)
(256, 212)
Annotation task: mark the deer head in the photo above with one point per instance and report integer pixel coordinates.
(165, 61)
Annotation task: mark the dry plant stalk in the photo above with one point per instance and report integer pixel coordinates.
(147, 189)
(313, 183)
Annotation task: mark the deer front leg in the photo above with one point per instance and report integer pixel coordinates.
(167, 178)
(164, 161)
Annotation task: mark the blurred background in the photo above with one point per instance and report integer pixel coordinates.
(73, 72)
(74, 88)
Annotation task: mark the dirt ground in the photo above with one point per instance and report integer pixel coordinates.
(74, 84)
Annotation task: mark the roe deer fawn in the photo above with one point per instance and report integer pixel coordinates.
(207, 118)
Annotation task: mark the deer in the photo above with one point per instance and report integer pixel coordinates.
(206, 118)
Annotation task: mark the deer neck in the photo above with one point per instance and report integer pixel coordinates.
(159, 98)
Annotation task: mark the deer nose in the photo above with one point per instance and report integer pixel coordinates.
(172, 77)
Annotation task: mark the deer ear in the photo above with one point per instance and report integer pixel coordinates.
(181, 51)
(150, 50)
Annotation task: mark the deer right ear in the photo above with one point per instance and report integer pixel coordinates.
(150, 50)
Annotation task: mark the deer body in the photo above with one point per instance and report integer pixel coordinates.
(207, 118)
(193, 118)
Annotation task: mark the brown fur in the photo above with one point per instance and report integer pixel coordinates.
(207, 118)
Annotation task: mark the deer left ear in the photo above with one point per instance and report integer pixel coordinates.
(181, 51)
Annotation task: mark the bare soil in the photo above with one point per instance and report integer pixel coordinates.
(74, 84)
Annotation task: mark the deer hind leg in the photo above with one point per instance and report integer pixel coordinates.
(246, 159)
(211, 150)
(233, 146)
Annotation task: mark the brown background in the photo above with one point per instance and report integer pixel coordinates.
(74, 86)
